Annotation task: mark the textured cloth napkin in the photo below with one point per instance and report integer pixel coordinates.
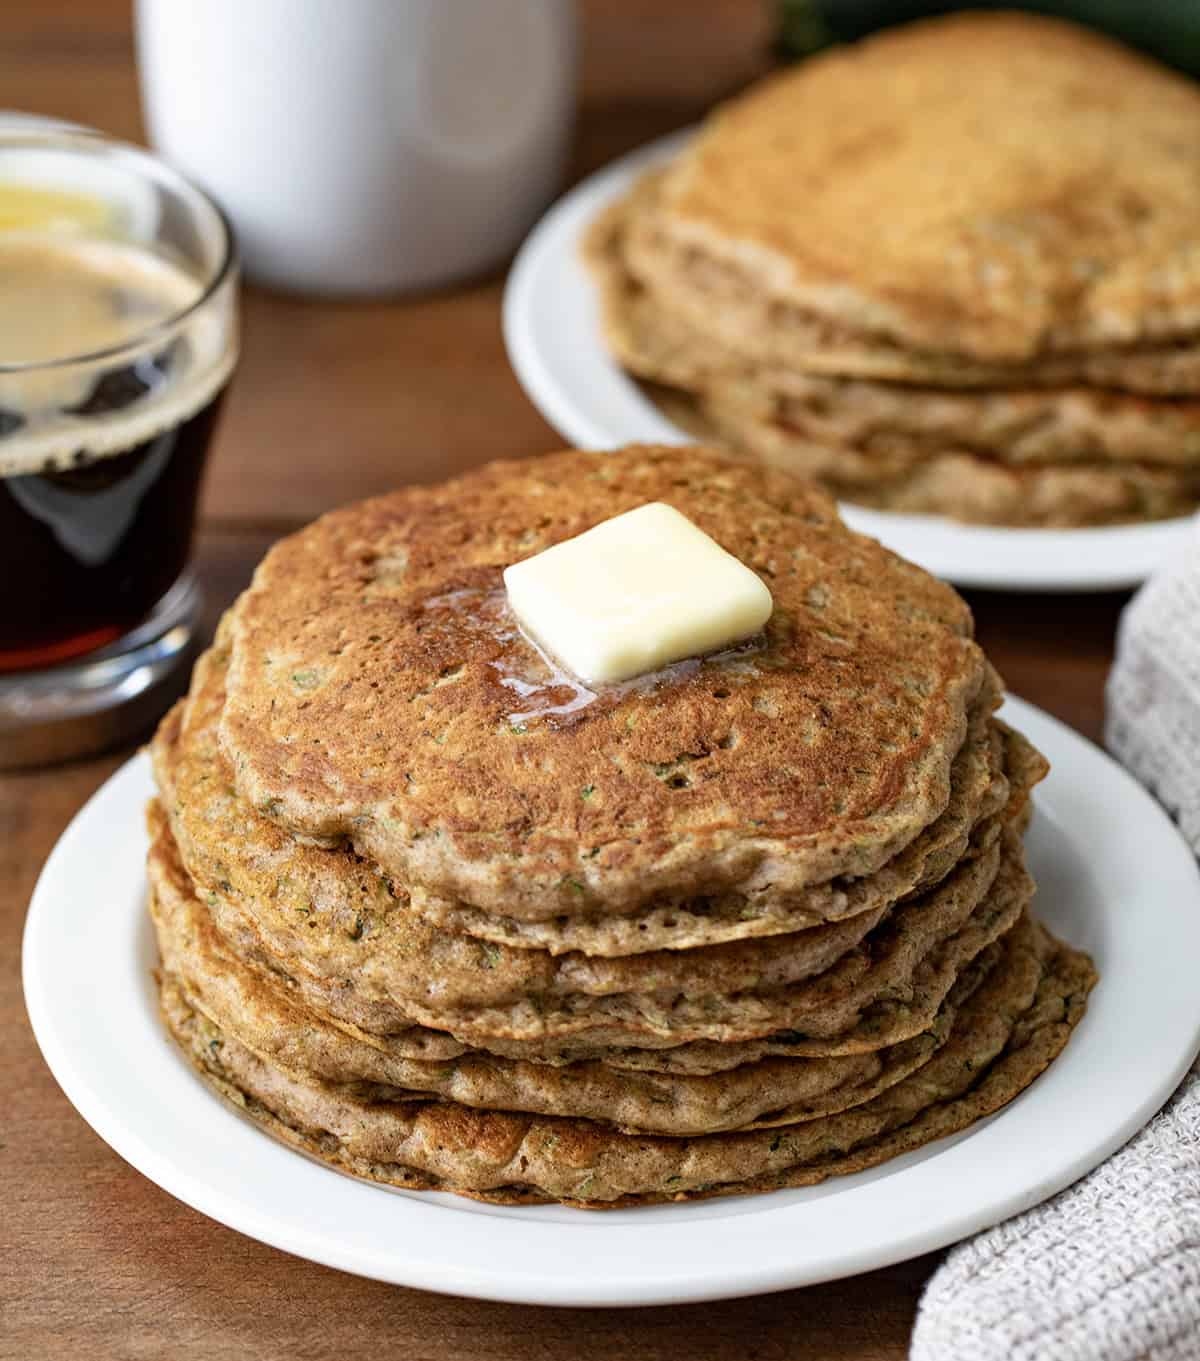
(1109, 1269)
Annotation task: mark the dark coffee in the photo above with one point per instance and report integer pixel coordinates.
(100, 466)
(88, 551)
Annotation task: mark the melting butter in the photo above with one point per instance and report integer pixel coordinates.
(635, 594)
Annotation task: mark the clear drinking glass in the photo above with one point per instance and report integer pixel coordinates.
(118, 336)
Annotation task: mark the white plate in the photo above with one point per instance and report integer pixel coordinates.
(1116, 878)
(552, 333)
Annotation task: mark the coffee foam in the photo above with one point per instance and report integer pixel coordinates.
(62, 294)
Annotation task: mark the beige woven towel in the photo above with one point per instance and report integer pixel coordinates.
(1108, 1270)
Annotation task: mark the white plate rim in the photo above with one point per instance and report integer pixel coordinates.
(95, 1024)
(551, 333)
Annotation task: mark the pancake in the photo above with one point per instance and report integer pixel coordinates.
(884, 990)
(378, 694)
(984, 779)
(1028, 428)
(320, 903)
(953, 482)
(1004, 1036)
(905, 188)
(979, 788)
(871, 425)
(765, 333)
(256, 1010)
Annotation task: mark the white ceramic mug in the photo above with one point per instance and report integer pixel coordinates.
(364, 146)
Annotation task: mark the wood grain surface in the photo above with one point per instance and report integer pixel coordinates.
(333, 402)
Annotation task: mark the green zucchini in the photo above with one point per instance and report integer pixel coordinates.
(1166, 29)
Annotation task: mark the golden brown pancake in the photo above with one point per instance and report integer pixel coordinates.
(324, 900)
(907, 187)
(379, 694)
(887, 988)
(894, 423)
(954, 482)
(258, 1010)
(1004, 1035)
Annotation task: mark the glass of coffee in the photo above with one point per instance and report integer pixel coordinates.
(118, 335)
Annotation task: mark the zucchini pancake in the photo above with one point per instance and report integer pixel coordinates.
(437, 912)
(877, 270)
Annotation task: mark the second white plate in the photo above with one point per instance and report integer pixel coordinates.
(552, 332)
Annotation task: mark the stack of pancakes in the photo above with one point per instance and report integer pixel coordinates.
(439, 914)
(954, 268)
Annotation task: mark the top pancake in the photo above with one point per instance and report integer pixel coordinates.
(377, 692)
(906, 187)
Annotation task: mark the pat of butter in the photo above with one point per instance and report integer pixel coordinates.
(634, 594)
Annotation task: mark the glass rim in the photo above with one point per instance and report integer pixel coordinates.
(68, 137)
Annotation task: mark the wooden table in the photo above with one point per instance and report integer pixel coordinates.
(333, 402)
